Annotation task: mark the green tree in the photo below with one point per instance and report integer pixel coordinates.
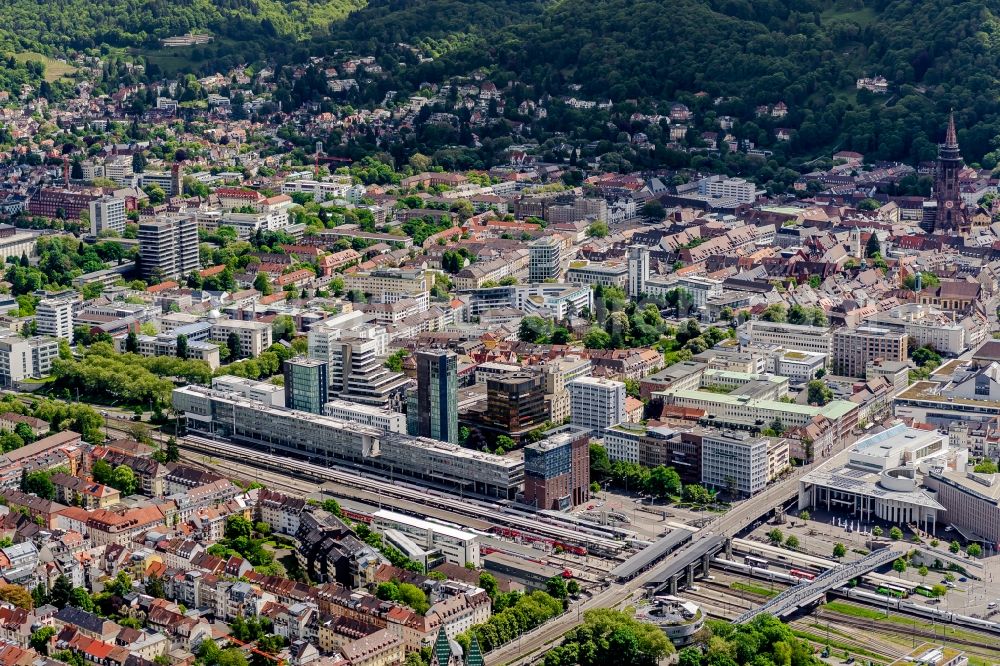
(555, 587)
(985, 466)
(839, 550)
(954, 547)
(61, 593)
(39, 483)
(775, 312)
(805, 515)
(155, 193)
(489, 583)
(534, 329)
(873, 247)
(154, 587)
(79, 598)
(899, 565)
(120, 585)
(775, 536)
(653, 210)
(132, 343)
(974, 550)
(895, 534)
(238, 526)
(598, 230)
(234, 346)
(173, 453)
(664, 481)
(877, 531)
(923, 570)
(182, 346)
(41, 639)
(414, 597)
(792, 541)
(819, 393)
(596, 338)
(262, 284)
(123, 478)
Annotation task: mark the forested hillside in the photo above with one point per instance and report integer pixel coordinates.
(936, 54)
(56, 26)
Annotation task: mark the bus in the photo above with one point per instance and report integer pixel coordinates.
(893, 591)
(925, 591)
(756, 562)
(802, 575)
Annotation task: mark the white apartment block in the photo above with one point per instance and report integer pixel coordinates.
(22, 358)
(266, 392)
(622, 442)
(458, 546)
(797, 365)
(596, 404)
(474, 275)
(107, 214)
(165, 344)
(119, 169)
(720, 187)
(377, 417)
(168, 247)
(54, 317)
(735, 460)
(702, 289)
(383, 284)
(255, 336)
(604, 273)
(791, 336)
(319, 190)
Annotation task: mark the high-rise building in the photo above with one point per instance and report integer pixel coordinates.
(353, 348)
(544, 259)
(168, 247)
(433, 407)
(596, 404)
(54, 316)
(638, 269)
(107, 214)
(557, 469)
(515, 404)
(854, 349)
(736, 462)
(306, 384)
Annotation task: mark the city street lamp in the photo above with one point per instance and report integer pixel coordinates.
(104, 413)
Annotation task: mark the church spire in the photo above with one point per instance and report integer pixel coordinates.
(951, 137)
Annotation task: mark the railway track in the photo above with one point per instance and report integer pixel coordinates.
(711, 592)
(496, 514)
(895, 630)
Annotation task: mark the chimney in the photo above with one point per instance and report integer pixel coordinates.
(175, 180)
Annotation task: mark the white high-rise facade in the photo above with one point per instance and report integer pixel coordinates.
(638, 269)
(596, 404)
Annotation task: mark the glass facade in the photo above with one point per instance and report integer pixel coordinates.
(305, 385)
